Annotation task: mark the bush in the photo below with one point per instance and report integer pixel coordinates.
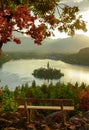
(8, 102)
(84, 100)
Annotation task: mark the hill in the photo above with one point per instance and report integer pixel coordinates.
(81, 58)
(67, 45)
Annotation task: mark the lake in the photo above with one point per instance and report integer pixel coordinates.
(18, 72)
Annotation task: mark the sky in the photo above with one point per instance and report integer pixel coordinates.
(29, 44)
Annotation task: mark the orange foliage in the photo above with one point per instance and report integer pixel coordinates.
(22, 16)
(84, 100)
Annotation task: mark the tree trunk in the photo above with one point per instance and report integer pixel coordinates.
(1, 44)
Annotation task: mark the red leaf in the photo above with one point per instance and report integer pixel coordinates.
(17, 40)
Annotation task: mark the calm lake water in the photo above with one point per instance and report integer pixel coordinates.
(18, 72)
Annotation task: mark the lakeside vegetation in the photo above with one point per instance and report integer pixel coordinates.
(4, 58)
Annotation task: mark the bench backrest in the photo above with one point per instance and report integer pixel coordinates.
(59, 102)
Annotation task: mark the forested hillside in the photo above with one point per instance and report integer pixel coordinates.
(81, 58)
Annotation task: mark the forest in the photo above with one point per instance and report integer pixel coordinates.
(79, 93)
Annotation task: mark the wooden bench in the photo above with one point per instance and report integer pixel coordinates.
(29, 104)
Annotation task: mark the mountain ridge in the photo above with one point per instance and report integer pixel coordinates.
(67, 45)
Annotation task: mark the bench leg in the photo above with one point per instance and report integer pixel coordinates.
(30, 117)
(26, 111)
(63, 114)
(27, 115)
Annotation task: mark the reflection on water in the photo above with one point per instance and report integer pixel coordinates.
(15, 73)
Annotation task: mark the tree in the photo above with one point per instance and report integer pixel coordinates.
(37, 19)
(47, 74)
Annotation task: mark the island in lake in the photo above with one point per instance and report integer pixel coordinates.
(47, 73)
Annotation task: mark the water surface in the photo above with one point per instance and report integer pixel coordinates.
(18, 72)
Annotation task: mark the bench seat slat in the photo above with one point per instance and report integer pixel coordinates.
(47, 107)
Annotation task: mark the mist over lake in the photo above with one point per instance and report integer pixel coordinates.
(18, 72)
